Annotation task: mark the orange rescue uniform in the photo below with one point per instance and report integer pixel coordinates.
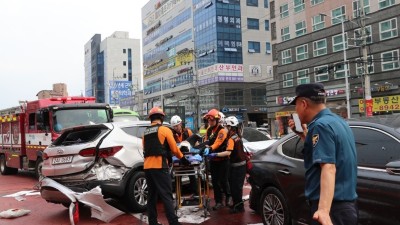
(164, 134)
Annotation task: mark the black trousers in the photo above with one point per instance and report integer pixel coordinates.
(236, 181)
(159, 184)
(342, 212)
(219, 176)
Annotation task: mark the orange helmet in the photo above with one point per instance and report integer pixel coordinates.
(156, 110)
(213, 113)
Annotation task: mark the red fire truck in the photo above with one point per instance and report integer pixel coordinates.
(26, 130)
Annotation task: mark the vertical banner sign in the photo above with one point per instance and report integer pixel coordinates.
(368, 107)
(119, 90)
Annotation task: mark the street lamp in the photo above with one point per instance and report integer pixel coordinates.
(346, 79)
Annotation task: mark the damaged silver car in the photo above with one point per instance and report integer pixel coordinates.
(107, 155)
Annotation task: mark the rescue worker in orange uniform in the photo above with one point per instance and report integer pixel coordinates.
(219, 166)
(158, 146)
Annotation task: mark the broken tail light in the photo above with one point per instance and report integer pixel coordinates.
(103, 152)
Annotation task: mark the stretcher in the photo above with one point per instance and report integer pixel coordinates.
(199, 168)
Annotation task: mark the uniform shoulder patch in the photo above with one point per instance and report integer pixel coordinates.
(220, 136)
(315, 139)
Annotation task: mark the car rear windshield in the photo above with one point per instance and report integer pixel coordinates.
(252, 134)
(79, 136)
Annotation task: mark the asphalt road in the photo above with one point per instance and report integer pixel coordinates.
(44, 213)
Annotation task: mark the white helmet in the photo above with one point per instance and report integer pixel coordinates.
(176, 120)
(221, 118)
(231, 121)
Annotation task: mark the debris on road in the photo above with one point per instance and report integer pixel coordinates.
(13, 213)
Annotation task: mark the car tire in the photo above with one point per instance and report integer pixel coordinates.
(274, 210)
(38, 168)
(4, 169)
(137, 192)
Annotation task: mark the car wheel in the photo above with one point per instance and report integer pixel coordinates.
(137, 192)
(4, 169)
(274, 209)
(38, 168)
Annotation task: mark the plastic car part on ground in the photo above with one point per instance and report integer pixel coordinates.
(93, 198)
(13, 213)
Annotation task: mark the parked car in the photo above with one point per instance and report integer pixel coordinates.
(109, 155)
(254, 140)
(277, 177)
(125, 115)
(264, 131)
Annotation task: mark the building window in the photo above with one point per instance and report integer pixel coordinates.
(318, 22)
(273, 31)
(253, 24)
(266, 25)
(302, 52)
(339, 71)
(124, 50)
(266, 3)
(268, 47)
(298, 5)
(385, 3)
(314, 2)
(301, 28)
(356, 8)
(252, 3)
(285, 33)
(258, 96)
(360, 66)
(388, 29)
(358, 38)
(286, 56)
(284, 11)
(233, 96)
(337, 42)
(124, 63)
(287, 79)
(390, 60)
(254, 47)
(321, 73)
(303, 77)
(338, 15)
(319, 47)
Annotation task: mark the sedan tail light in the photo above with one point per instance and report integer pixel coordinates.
(103, 152)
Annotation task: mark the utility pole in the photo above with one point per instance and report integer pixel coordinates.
(367, 81)
(197, 90)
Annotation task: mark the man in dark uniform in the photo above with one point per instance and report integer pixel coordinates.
(330, 158)
(158, 144)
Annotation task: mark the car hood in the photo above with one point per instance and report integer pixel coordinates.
(258, 145)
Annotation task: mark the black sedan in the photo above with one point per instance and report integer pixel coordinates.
(277, 178)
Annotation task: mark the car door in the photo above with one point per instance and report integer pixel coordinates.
(378, 191)
(291, 177)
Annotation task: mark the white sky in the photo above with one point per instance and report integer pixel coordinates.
(42, 42)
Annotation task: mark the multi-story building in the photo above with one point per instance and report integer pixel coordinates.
(310, 44)
(112, 69)
(205, 54)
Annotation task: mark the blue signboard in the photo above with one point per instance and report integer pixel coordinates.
(119, 90)
(189, 123)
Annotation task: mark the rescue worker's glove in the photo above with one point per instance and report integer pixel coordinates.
(184, 161)
(212, 155)
(204, 151)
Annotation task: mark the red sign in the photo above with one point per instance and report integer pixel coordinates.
(368, 105)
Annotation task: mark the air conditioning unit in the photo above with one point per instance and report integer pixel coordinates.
(252, 50)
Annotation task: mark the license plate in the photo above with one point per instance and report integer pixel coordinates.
(62, 160)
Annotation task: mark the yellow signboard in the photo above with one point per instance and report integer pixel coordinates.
(380, 104)
(282, 114)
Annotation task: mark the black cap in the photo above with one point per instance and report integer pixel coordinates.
(309, 91)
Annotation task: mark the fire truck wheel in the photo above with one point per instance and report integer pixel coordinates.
(38, 168)
(5, 170)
